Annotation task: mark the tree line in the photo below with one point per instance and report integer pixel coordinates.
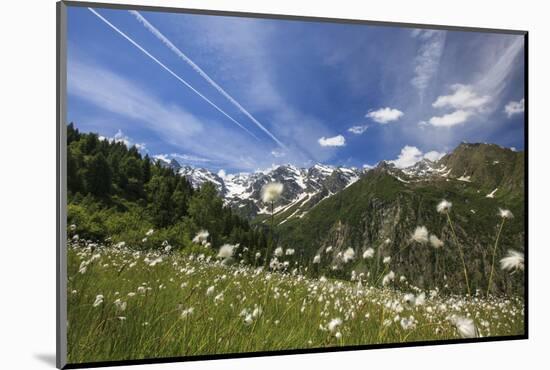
(116, 193)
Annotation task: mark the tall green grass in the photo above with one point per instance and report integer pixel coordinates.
(248, 310)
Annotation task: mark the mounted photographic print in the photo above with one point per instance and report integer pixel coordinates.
(236, 184)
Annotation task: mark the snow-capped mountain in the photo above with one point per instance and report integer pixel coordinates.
(303, 187)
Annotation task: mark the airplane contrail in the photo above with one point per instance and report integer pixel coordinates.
(170, 71)
(202, 73)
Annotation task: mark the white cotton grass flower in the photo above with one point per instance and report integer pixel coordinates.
(257, 255)
(444, 206)
(278, 252)
(408, 323)
(289, 252)
(150, 232)
(83, 267)
(98, 300)
(348, 255)
(334, 324)
(257, 312)
(505, 213)
(317, 259)
(514, 261)
(248, 320)
(329, 249)
(388, 278)
(271, 192)
(386, 260)
(464, 326)
(201, 237)
(226, 251)
(409, 299)
(436, 242)
(420, 235)
(368, 253)
(187, 312)
(120, 305)
(210, 290)
(420, 299)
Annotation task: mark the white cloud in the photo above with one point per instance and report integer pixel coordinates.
(367, 166)
(337, 140)
(434, 155)
(358, 130)
(410, 155)
(385, 115)
(120, 137)
(481, 98)
(465, 101)
(514, 107)
(162, 157)
(451, 119)
(426, 62)
(463, 97)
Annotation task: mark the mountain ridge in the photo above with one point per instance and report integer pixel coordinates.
(481, 163)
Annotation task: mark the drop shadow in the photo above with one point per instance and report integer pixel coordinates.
(47, 358)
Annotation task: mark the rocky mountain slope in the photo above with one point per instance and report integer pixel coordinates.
(303, 188)
(383, 208)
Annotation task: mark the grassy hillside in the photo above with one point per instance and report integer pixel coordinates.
(127, 304)
(380, 207)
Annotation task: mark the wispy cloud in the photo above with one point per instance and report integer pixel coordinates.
(169, 70)
(467, 101)
(495, 78)
(358, 130)
(384, 115)
(182, 158)
(337, 140)
(202, 73)
(514, 107)
(115, 94)
(174, 125)
(247, 58)
(278, 153)
(426, 62)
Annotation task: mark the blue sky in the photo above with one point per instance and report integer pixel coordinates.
(245, 94)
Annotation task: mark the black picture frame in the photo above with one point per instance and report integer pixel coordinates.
(61, 186)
